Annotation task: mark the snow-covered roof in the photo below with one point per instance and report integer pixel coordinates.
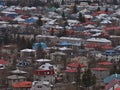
(27, 50)
(69, 38)
(43, 60)
(102, 40)
(15, 77)
(47, 66)
(17, 71)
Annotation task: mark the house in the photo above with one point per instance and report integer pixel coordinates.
(41, 85)
(71, 70)
(46, 72)
(111, 55)
(72, 40)
(8, 52)
(46, 38)
(100, 72)
(100, 41)
(59, 59)
(28, 54)
(112, 82)
(14, 78)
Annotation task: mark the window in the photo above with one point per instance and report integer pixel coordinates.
(39, 86)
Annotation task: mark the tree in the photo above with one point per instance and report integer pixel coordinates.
(78, 77)
(115, 2)
(76, 2)
(80, 17)
(52, 32)
(87, 78)
(39, 21)
(106, 10)
(114, 70)
(62, 2)
(40, 53)
(63, 15)
(98, 9)
(75, 9)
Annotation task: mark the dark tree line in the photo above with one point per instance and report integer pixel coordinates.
(88, 79)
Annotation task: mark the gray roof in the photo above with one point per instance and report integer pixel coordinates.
(15, 77)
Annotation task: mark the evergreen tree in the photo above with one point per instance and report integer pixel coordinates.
(6, 38)
(106, 10)
(75, 9)
(83, 19)
(62, 2)
(64, 33)
(28, 44)
(114, 70)
(87, 79)
(76, 2)
(115, 2)
(40, 53)
(80, 17)
(52, 32)
(18, 39)
(39, 21)
(63, 15)
(22, 43)
(93, 79)
(78, 77)
(98, 9)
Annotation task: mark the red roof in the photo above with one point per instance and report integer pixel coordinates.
(18, 11)
(106, 47)
(44, 72)
(91, 45)
(25, 16)
(99, 69)
(71, 70)
(6, 18)
(112, 28)
(105, 63)
(4, 62)
(89, 22)
(76, 64)
(23, 84)
(118, 88)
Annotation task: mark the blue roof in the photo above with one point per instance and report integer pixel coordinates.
(111, 52)
(30, 20)
(42, 44)
(65, 43)
(78, 28)
(2, 3)
(112, 77)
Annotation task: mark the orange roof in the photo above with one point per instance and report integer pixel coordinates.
(23, 84)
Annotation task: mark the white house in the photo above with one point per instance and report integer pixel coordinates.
(74, 41)
(41, 85)
(28, 54)
(101, 41)
(46, 72)
(111, 55)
